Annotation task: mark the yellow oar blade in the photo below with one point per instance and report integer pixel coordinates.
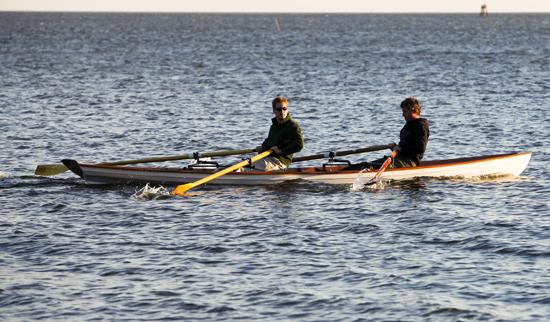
(182, 189)
(50, 169)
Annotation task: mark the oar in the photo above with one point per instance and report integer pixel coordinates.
(183, 188)
(53, 169)
(382, 169)
(341, 153)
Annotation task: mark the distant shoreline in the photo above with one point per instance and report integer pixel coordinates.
(284, 13)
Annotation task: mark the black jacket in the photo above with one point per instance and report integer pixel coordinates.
(414, 139)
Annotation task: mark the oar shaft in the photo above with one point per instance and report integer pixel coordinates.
(181, 157)
(341, 153)
(382, 168)
(182, 189)
(53, 169)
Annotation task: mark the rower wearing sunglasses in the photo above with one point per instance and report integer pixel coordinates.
(284, 138)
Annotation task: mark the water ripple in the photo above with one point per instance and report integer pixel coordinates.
(106, 87)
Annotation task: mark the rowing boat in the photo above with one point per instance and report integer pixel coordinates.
(510, 164)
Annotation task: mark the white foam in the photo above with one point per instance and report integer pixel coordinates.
(360, 182)
(151, 193)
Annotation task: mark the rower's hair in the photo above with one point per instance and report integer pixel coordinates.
(411, 103)
(279, 100)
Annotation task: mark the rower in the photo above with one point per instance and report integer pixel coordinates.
(413, 139)
(284, 138)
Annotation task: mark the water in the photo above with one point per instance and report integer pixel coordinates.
(104, 87)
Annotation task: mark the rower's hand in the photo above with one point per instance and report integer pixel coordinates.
(392, 146)
(277, 150)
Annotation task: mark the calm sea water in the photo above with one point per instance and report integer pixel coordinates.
(103, 87)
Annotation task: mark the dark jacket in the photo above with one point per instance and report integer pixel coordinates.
(287, 136)
(414, 139)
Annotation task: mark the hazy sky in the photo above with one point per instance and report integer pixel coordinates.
(278, 5)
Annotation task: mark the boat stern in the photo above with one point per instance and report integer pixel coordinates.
(73, 166)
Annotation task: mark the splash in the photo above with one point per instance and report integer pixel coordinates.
(151, 193)
(360, 182)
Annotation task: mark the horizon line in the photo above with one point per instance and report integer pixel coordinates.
(276, 12)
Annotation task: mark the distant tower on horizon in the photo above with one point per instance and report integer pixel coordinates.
(484, 12)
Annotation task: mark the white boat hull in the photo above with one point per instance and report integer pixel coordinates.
(512, 164)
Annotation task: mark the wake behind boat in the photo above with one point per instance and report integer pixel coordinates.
(511, 164)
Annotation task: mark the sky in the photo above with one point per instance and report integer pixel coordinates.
(359, 6)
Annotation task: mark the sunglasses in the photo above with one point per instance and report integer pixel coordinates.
(278, 109)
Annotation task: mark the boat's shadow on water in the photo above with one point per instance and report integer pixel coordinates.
(304, 186)
(424, 183)
(289, 188)
(160, 192)
(38, 182)
(75, 185)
